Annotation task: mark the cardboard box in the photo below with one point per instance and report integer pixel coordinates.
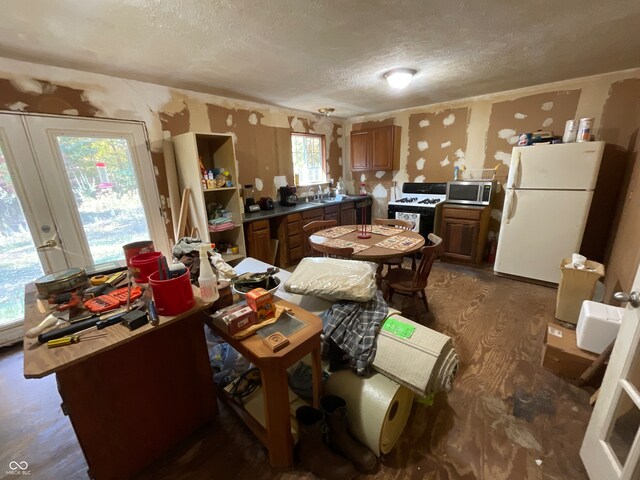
(575, 287)
(235, 318)
(561, 354)
(261, 302)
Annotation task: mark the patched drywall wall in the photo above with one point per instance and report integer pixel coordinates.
(492, 123)
(261, 133)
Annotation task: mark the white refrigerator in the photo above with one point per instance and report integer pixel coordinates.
(548, 196)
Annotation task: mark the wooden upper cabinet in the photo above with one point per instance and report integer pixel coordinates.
(375, 148)
(360, 147)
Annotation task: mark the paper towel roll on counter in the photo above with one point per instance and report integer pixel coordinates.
(426, 362)
(377, 407)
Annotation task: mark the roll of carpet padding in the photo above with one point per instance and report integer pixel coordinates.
(377, 407)
(417, 357)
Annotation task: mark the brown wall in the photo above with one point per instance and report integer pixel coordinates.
(485, 130)
(262, 133)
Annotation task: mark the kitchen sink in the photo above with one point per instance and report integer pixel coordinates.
(324, 201)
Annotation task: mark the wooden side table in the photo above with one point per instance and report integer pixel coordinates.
(273, 369)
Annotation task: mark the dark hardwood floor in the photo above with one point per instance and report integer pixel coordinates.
(506, 418)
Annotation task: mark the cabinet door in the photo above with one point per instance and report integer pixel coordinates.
(260, 241)
(382, 148)
(360, 150)
(348, 217)
(460, 238)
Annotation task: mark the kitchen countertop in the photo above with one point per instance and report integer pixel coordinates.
(299, 207)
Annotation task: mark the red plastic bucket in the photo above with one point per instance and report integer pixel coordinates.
(172, 296)
(144, 265)
(136, 248)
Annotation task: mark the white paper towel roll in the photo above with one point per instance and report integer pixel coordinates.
(377, 407)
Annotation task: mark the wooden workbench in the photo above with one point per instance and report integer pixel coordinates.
(130, 396)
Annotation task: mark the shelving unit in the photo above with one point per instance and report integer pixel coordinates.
(215, 151)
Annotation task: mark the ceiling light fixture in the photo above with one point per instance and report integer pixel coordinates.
(326, 111)
(399, 77)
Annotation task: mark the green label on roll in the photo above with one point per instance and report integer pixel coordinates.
(398, 328)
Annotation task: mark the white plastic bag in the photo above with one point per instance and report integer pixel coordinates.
(334, 279)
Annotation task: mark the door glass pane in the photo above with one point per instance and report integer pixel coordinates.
(626, 423)
(104, 186)
(19, 261)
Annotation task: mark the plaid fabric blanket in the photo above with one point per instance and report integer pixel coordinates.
(353, 327)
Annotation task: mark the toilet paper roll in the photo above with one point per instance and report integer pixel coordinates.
(377, 408)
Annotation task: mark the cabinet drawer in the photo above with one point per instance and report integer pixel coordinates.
(294, 217)
(259, 225)
(464, 213)
(294, 240)
(346, 206)
(294, 228)
(295, 254)
(310, 215)
(332, 210)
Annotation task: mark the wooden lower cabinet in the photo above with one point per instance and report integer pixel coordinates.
(258, 236)
(288, 229)
(347, 214)
(310, 216)
(332, 213)
(464, 232)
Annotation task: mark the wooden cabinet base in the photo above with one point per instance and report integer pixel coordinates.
(131, 404)
(464, 231)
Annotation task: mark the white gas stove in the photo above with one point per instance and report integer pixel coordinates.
(418, 204)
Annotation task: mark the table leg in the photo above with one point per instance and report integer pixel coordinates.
(379, 274)
(276, 410)
(316, 370)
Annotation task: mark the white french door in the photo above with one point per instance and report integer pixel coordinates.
(72, 192)
(611, 445)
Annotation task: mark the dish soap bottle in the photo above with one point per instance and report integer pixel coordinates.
(363, 189)
(207, 279)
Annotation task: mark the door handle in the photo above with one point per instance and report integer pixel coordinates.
(511, 196)
(514, 176)
(48, 244)
(633, 298)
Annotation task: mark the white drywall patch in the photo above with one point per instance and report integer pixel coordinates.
(424, 123)
(547, 121)
(70, 111)
(380, 192)
(506, 133)
(459, 158)
(234, 136)
(445, 162)
(496, 214)
(445, 144)
(420, 163)
(379, 173)
(26, 85)
(520, 116)
(229, 120)
(18, 106)
(546, 106)
(259, 184)
(449, 120)
(339, 131)
(513, 140)
(297, 125)
(163, 202)
(503, 157)
(341, 142)
(419, 179)
(155, 171)
(279, 181)
(363, 178)
(423, 145)
(253, 119)
(340, 161)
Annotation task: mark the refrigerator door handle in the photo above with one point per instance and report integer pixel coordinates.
(511, 202)
(514, 172)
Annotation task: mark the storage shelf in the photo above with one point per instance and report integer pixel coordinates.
(235, 225)
(221, 189)
(230, 257)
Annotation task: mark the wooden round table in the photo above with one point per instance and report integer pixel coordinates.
(374, 253)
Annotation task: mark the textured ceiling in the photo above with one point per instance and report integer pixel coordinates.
(315, 53)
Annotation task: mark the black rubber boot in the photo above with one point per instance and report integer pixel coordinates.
(313, 454)
(340, 440)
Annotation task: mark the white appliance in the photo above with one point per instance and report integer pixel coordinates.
(418, 204)
(548, 196)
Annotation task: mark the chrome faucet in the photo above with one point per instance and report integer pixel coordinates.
(315, 193)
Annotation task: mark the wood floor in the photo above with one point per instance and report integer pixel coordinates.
(506, 418)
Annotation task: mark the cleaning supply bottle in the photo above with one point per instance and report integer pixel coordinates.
(207, 279)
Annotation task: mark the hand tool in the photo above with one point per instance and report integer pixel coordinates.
(49, 321)
(163, 268)
(68, 340)
(98, 280)
(153, 313)
(80, 326)
(113, 280)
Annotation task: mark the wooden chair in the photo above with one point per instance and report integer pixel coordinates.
(402, 225)
(333, 252)
(413, 283)
(313, 227)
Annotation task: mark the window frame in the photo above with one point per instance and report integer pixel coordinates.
(324, 157)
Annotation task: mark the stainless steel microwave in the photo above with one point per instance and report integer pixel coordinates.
(470, 192)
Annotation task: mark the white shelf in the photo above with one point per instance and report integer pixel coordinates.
(221, 189)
